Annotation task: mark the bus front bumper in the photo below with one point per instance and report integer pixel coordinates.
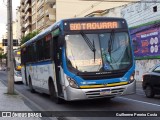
(110, 92)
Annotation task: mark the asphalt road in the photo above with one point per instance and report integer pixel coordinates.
(136, 102)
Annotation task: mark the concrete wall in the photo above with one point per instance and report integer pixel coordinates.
(136, 13)
(142, 66)
(140, 13)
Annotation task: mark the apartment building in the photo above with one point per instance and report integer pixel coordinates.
(27, 16)
(43, 14)
(36, 15)
(22, 15)
(15, 40)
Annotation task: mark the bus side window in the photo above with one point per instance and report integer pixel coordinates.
(47, 49)
(27, 54)
(30, 50)
(34, 55)
(40, 50)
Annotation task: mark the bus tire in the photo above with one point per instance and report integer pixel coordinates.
(30, 85)
(53, 94)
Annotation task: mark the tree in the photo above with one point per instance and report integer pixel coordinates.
(29, 36)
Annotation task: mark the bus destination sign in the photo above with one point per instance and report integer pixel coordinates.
(93, 25)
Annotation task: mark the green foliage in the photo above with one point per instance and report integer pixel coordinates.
(29, 36)
(3, 56)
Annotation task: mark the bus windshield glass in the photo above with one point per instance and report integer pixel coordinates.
(112, 51)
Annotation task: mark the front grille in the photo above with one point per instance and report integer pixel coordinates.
(96, 93)
(102, 76)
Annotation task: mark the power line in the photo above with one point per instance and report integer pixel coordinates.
(91, 7)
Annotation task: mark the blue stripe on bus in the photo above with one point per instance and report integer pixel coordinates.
(40, 63)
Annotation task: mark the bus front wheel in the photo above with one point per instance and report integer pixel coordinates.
(53, 94)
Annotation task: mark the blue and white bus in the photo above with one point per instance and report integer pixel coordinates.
(80, 58)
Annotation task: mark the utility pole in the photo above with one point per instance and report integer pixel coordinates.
(10, 69)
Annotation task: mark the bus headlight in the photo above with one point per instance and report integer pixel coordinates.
(132, 78)
(72, 82)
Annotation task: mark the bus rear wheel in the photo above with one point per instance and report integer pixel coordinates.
(30, 85)
(53, 94)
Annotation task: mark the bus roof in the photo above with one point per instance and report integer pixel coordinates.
(60, 25)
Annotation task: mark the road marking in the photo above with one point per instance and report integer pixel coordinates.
(140, 101)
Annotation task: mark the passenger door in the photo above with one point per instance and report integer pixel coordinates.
(57, 52)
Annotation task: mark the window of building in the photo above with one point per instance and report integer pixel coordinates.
(155, 9)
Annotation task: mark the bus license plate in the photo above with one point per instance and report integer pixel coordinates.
(105, 92)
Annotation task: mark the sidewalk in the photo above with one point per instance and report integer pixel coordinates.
(12, 103)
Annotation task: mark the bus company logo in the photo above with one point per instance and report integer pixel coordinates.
(105, 84)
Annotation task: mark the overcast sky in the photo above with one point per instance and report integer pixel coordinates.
(3, 14)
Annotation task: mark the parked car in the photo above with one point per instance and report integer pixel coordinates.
(151, 82)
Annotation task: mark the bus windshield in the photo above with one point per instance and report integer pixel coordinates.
(112, 52)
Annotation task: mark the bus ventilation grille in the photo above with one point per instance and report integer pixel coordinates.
(97, 93)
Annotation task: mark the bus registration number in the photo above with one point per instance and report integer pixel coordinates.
(105, 92)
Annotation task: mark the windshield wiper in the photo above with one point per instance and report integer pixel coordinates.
(89, 43)
(110, 42)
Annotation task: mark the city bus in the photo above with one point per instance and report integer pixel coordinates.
(17, 65)
(80, 59)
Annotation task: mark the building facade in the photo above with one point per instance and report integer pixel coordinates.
(37, 15)
(15, 39)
